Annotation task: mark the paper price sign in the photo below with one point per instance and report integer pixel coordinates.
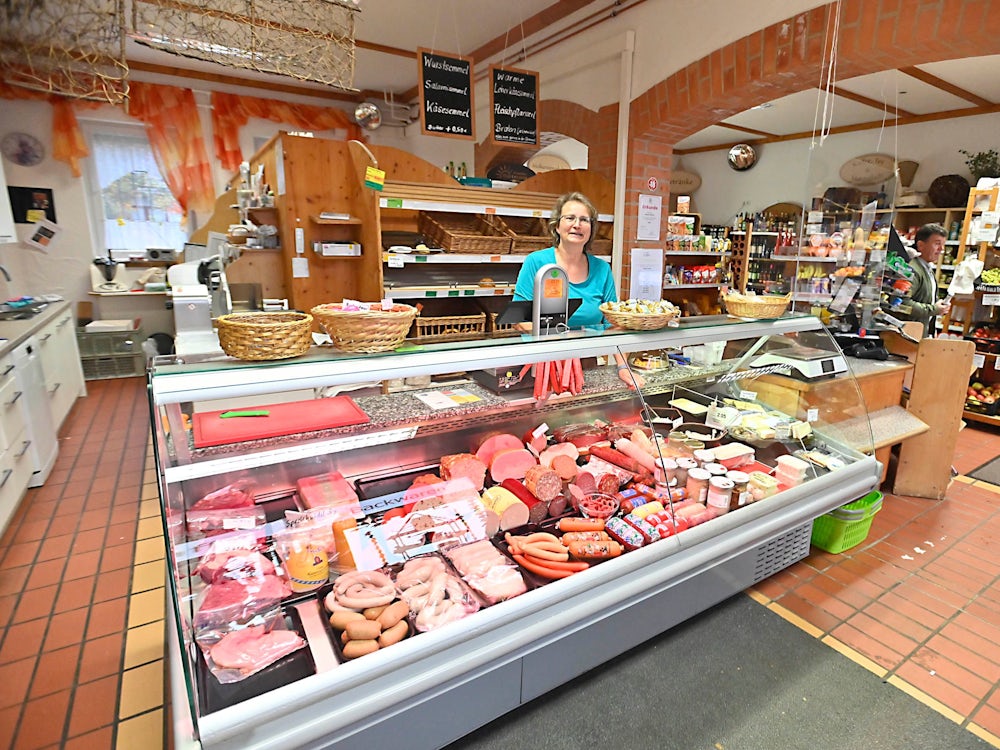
(991, 299)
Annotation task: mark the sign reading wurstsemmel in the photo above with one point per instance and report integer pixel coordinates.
(446, 95)
(513, 106)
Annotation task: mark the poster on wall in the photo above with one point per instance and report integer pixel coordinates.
(29, 204)
(446, 95)
(513, 106)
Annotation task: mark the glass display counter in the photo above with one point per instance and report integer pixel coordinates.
(295, 491)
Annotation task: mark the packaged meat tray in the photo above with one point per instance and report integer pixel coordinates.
(215, 696)
(370, 629)
(490, 573)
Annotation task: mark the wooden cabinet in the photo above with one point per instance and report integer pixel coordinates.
(321, 197)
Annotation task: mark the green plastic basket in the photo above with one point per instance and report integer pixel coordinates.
(848, 525)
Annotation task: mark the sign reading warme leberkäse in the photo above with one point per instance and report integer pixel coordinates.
(446, 95)
(513, 106)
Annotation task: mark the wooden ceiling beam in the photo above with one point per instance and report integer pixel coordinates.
(950, 114)
(742, 129)
(860, 99)
(939, 83)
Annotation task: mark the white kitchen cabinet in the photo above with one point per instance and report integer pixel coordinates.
(61, 365)
(15, 463)
(436, 686)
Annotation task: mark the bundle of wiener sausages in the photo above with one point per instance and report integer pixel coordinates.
(558, 376)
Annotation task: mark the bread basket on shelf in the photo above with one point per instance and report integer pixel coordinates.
(760, 307)
(265, 335)
(373, 330)
(633, 317)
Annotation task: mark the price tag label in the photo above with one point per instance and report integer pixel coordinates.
(395, 261)
(978, 360)
(748, 395)
(991, 299)
(812, 415)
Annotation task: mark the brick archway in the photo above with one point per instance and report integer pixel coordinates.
(787, 57)
(596, 129)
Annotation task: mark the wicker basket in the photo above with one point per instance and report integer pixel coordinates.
(527, 233)
(638, 321)
(265, 335)
(365, 330)
(759, 307)
(500, 329)
(467, 234)
(450, 326)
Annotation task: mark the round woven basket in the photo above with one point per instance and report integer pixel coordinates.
(638, 321)
(759, 307)
(265, 335)
(365, 330)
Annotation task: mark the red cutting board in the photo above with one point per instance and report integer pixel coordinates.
(282, 419)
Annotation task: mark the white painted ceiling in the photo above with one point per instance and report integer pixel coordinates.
(397, 28)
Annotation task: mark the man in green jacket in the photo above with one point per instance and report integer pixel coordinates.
(924, 304)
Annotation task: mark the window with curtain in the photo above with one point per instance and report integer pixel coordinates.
(131, 207)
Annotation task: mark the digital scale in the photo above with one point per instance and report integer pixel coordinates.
(803, 362)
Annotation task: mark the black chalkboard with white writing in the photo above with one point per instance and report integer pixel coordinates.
(513, 106)
(446, 100)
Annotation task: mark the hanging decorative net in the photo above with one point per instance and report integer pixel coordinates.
(310, 40)
(73, 49)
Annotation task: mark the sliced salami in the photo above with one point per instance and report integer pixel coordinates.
(543, 483)
(586, 480)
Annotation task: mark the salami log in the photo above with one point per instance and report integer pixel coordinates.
(536, 439)
(496, 443)
(537, 509)
(511, 464)
(543, 483)
(574, 494)
(617, 458)
(464, 465)
(558, 505)
(586, 480)
(599, 466)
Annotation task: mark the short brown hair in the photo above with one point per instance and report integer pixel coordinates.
(561, 201)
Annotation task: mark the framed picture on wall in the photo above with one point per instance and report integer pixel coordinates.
(31, 204)
(42, 235)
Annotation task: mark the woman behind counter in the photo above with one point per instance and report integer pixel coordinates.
(573, 225)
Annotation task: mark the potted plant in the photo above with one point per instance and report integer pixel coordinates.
(982, 163)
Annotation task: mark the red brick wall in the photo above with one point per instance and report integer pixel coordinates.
(781, 59)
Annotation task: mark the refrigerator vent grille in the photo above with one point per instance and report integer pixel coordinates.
(782, 551)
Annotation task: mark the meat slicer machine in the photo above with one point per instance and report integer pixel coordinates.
(199, 292)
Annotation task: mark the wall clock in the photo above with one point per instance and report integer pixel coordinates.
(22, 149)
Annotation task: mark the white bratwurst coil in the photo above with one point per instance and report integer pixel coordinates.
(435, 596)
(360, 589)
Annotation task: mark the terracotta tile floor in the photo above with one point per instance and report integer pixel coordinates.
(918, 602)
(82, 600)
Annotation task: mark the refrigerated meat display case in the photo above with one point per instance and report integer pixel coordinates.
(330, 414)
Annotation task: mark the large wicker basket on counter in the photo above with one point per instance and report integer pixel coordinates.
(639, 321)
(373, 330)
(756, 306)
(265, 335)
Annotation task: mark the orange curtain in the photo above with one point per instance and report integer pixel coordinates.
(68, 144)
(231, 112)
(174, 130)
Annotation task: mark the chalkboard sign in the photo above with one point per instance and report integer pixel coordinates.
(513, 106)
(446, 101)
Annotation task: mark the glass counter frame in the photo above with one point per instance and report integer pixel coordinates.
(356, 702)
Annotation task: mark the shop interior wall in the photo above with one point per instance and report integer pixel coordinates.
(797, 171)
